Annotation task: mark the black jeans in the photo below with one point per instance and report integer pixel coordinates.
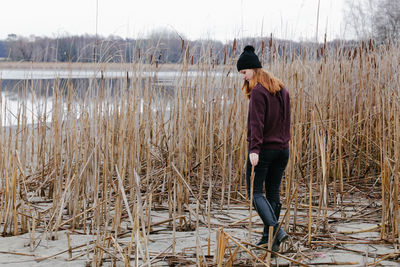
(268, 172)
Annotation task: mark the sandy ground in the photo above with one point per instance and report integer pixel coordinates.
(16, 250)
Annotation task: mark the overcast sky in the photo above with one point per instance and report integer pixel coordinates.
(200, 19)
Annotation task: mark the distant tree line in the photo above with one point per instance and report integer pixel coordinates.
(3, 51)
(158, 47)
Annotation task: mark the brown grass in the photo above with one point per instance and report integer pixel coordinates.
(107, 159)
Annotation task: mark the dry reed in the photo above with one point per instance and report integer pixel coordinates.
(105, 156)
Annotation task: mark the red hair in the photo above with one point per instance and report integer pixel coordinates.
(267, 80)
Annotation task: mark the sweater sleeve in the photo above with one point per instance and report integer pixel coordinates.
(257, 107)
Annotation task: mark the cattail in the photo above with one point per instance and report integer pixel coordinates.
(182, 45)
(224, 55)
(110, 157)
(234, 46)
(371, 44)
(262, 47)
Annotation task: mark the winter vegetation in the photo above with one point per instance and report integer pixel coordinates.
(127, 159)
(111, 157)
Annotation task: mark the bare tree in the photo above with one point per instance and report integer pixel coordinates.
(387, 20)
(21, 49)
(379, 19)
(358, 18)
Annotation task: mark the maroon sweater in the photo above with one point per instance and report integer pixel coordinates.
(268, 122)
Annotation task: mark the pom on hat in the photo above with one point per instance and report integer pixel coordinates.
(249, 48)
(248, 59)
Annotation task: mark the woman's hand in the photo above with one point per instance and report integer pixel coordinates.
(253, 158)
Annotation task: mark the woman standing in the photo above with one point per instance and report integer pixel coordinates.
(268, 135)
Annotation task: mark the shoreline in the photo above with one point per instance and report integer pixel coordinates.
(46, 70)
(11, 65)
(111, 66)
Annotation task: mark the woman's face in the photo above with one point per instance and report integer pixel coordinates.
(247, 74)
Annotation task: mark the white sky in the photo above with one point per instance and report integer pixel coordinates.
(200, 19)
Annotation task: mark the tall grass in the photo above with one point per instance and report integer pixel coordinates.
(115, 150)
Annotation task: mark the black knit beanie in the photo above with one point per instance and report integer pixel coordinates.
(248, 59)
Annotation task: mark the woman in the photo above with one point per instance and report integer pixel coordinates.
(268, 135)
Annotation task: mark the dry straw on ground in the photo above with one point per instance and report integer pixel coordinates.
(116, 152)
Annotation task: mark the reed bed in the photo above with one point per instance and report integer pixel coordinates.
(101, 160)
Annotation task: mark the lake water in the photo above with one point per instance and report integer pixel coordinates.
(40, 84)
(23, 74)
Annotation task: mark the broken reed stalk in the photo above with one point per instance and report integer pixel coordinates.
(186, 141)
(251, 201)
(271, 238)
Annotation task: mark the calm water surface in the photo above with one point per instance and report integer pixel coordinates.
(28, 93)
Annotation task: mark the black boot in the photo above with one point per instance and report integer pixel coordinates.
(277, 210)
(263, 241)
(264, 238)
(267, 215)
